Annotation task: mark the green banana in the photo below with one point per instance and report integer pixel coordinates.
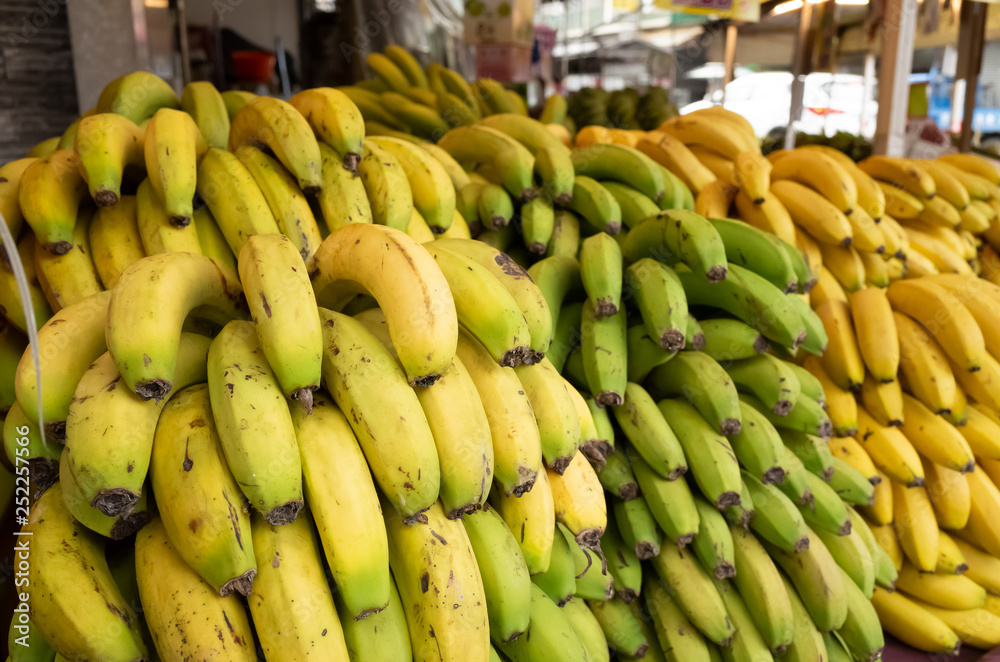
(759, 584)
(695, 593)
(595, 205)
(852, 486)
(693, 336)
(565, 234)
(806, 415)
(777, 520)
(603, 349)
(674, 236)
(660, 298)
(816, 338)
(808, 384)
(494, 207)
(675, 632)
(381, 636)
(554, 169)
(593, 582)
(511, 163)
(861, 631)
(747, 642)
(601, 271)
(758, 251)
(643, 353)
(851, 554)
(742, 514)
(636, 206)
(622, 630)
(796, 485)
(670, 501)
(637, 527)
(621, 163)
(616, 476)
(705, 384)
(555, 413)
(827, 511)
(388, 72)
(408, 65)
(818, 581)
(550, 635)
(387, 187)
(538, 221)
(566, 337)
(769, 379)
(807, 645)
(758, 446)
(559, 579)
(587, 629)
(812, 450)
(649, 434)
(623, 565)
(714, 543)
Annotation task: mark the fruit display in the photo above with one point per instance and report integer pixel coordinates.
(344, 377)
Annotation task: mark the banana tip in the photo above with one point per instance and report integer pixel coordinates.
(782, 407)
(684, 540)
(180, 221)
(537, 248)
(802, 544)
(155, 389)
(592, 450)
(716, 274)
(672, 340)
(698, 341)
(725, 570)
(646, 550)
(114, 501)
(774, 476)
(609, 399)
(127, 525)
(627, 595)
(242, 585)
(56, 431)
(760, 344)
(613, 228)
(425, 380)
(105, 198)
(729, 427)
(351, 160)
(628, 492)
(845, 530)
(59, 247)
(285, 513)
(728, 499)
(961, 567)
(560, 464)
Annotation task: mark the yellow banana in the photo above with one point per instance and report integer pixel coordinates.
(115, 242)
(944, 316)
(343, 198)
(934, 437)
(845, 264)
(725, 138)
(206, 106)
(924, 366)
(433, 192)
(276, 124)
(157, 233)
(72, 276)
(985, 499)
(820, 172)
(173, 146)
(388, 189)
(714, 200)
(49, 195)
(336, 121)
(813, 213)
(842, 358)
(949, 493)
(235, 200)
(905, 173)
(891, 452)
(916, 526)
(105, 145)
(137, 96)
(883, 400)
(974, 164)
(10, 183)
(674, 155)
(911, 623)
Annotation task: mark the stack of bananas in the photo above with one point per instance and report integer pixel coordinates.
(609, 423)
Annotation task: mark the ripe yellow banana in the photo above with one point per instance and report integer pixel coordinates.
(674, 155)
(173, 146)
(388, 189)
(985, 499)
(875, 329)
(365, 379)
(947, 185)
(821, 173)
(10, 183)
(845, 264)
(883, 400)
(714, 200)
(203, 102)
(201, 505)
(890, 450)
(137, 96)
(72, 276)
(336, 121)
(157, 233)
(152, 299)
(276, 124)
(96, 623)
(977, 187)
(285, 199)
(343, 198)
(949, 493)
(813, 213)
(982, 432)
(770, 215)
(916, 526)
(842, 358)
(234, 198)
(934, 437)
(433, 192)
(753, 174)
(187, 618)
(903, 173)
(720, 136)
(106, 144)
(115, 242)
(913, 624)
(944, 316)
(49, 195)
(292, 607)
(924, 365)
(721, 167)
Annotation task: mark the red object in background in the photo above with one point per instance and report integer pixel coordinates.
(254, 66)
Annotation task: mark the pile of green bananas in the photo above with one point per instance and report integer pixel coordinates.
(623, 109)
(289, 402)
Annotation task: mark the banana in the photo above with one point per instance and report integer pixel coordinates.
(945, 316)
(635, 206)
(24, 641)
(710, 457)
(537, 224)
(913, 624)
(846, 265)
(154, 298)
(418, 557)
(343, 198)
(924, 366)
(336, 121)
(818, 581)
(234, 100)
(355, 543)
(10, 183)
(896, 241)
(551, 634)
(106, 145)
(12, 346)
(976, 627)
(637, 527)
(982, 433)
(381, 636)
(494, 208)
(753, 174)
(875, 330)
(890, 450)
(731, 340)
(115, 242)
(512, 162)
(157, 233)
(742, 294)
(842, 360)
(981, 386)
(601, 271)
(679, 236)
(661, 300)
(388, 72)
(900, 204)
(675, 156)
(387, 187)
(861, 633)
(888, 542)
(49, 196)
(974, 164)
(816, 340)
(367, 102)
(80, 326)
(203, 102)
(695, 593)
(811, 212)
(558, 582)
(841, 407)
(530, 515)
(884, 564)
(603, 350)
(760, 587)
(137, 96)
(344, 266)
(424, 121)
(264, 444)
(643, 353)
(452, 109)
(983, 568)
(211, 241)
(23, 444)
(758, 447)
(938, 212)
(578, 501)
(776, 520)
(622, 629)
(276, 124)
(433, 192)
(202, 507)
(944, 591)
(982, 301)
(946, 184)
(71, 277)
(982, 516)
(287, 203)
(934, 437)
(173, 146)
(812, 451)
(705, 384)
(234, 198)
(728, 139)
(506, 582)
(916, 526)
(767, 378)
(291, 573)
(850, 452)
(554, 169)
(555, 414)
(762, 253)
(826, 288)
(596, 205)
(851, 554)
(714, 543)
(459, 177)
(693, 337)
(904, 173)
(93, 624)
(771, 216)
(827, 511)
(565, 240)
(721, 167)
(670, 502)
(673, 630)
(822, 173)
(624, 565)
(976, 186)
(623, 164)
(742, 514)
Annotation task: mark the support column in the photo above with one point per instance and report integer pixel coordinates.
(971, 32)
(799, 70)
(729, 59)
(898, 29)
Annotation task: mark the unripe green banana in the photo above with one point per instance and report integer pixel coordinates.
(743, 513)
(601, 271)
(714, 543)
(695, 593)
(555, 414)
(566, 337)
(807, 645)
(644, 353)
(344, 505)
(747, 642)
(816, 338)
(596, 205)
(593, 581)
(670, 502)
(705, 384)
(506, 583)
(200, 501)
(694, 338)
(623, 565)
(554, 168)
(453, 110)
(769, 379)
(261, 449)
(621, 163)
(758, 251)
(758, 446)
(679, 236)
(636, 206)
(494, 207)
(818, 581)
(827, 511)
(559, 579)
(796, 485)
(587, 629)
(674, 631)
(550, 636)
(812, 450)
(381, 636)
(806, 415)
(603, 347)
(776, 519)
(537, 224)
(744, 294)
(759, 584)
(637, 527)
(649, 434)
(852, 486)
(661, 301)
(565, 235)
(622, 630)
(861, 631)
(851, 554)
(709, 455)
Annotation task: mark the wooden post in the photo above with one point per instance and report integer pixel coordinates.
(971, 30)
(898, 28)
(730, 58)
(799, 69)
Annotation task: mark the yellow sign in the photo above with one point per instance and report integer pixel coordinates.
(625, 5)
(737, 10)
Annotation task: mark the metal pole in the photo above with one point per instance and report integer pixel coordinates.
(182, 29)
(898, 29)
(799, 72)
(972, 26)
(730, 58)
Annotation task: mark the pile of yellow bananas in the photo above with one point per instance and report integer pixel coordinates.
(282, 384)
